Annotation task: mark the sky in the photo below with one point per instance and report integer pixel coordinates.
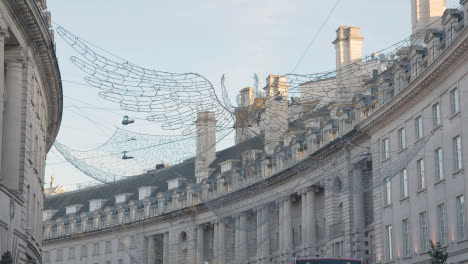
(209, 37)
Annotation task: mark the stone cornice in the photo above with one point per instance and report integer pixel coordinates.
(405, 98)
(35, 28)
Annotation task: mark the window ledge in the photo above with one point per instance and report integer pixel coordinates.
(387, 159)
(402, 150)
(407, 257)
(454, 115)
(439, 126)
(439, 181)
(419, 139)
(388, 205)
(462, 241)
(421, 191)
(457, 172)
(402, 199)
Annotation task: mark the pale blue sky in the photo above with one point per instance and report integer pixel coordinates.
(209, 37)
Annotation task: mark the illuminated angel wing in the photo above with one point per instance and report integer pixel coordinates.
(173, 99)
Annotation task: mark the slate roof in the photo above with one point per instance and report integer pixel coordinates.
(156, 178)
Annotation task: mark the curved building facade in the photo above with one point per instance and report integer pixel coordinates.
(30, 116)
(377, 182)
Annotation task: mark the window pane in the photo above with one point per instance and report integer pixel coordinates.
(404, 183)
(406, 238)
(419, 127)
(457, 153)
(461, 222)
(439, 164)
(402, 138)
(420, 171)
(436, 114)
(442, 224)
(423, 231)
(454, 100)
(389, 234)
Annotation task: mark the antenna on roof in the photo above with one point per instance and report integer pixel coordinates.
(125, 157)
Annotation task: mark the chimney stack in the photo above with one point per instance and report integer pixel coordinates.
(348, 45)
(424, 14)
(206, 143)
(247, 96)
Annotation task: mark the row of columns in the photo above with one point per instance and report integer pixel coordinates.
(11, 83)
(309, 226)
(197, 240)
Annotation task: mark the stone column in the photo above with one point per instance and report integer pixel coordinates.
(281, 229)
(243, 254)
(358, 212)
(11, 140)
(265, 235)
(200, 245)
(192, 247)
(222, 243)
(216, 246)
(259, 233)
(305, 222)
(288, 230)
(3, 36)
(151, 250)
(312, 223)
(237, 240)
(166, 248)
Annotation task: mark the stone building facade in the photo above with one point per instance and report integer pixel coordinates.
(30, 116)
(375, 182)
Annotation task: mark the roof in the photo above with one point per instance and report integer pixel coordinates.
(156, 178)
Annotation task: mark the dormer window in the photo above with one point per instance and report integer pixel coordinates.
(145, 192)
(173, 184)
(227, 166)
(122, 198)
(47, 214)
(72, 209)
(95, 204)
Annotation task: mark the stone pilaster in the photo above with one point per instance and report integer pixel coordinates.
(311, 221)
(265, 236)
(3, 36)
(222, 243)
(305, 223)
(151, 250)
(166, 257)
(243, 253)
(288, 231)
(259, 233)
(11, 141)
(200, 245)
(358, 213)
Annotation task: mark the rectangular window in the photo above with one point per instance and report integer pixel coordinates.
(132, 242)
(96, 249)
(121, 244)
(461, 221)
(420, 172)
(71, 253)
(442, 222)
(406, 238)
(108, 247)
(423, 231)
(388, 191)
(402, 138)
(439, 164)
(458, 162)
(389, 239)
(404, 184)
(84, 251)
(385, 149)
(454, 101)
(59, 255)
(46, 256)
(419, 127)
(436, 114)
